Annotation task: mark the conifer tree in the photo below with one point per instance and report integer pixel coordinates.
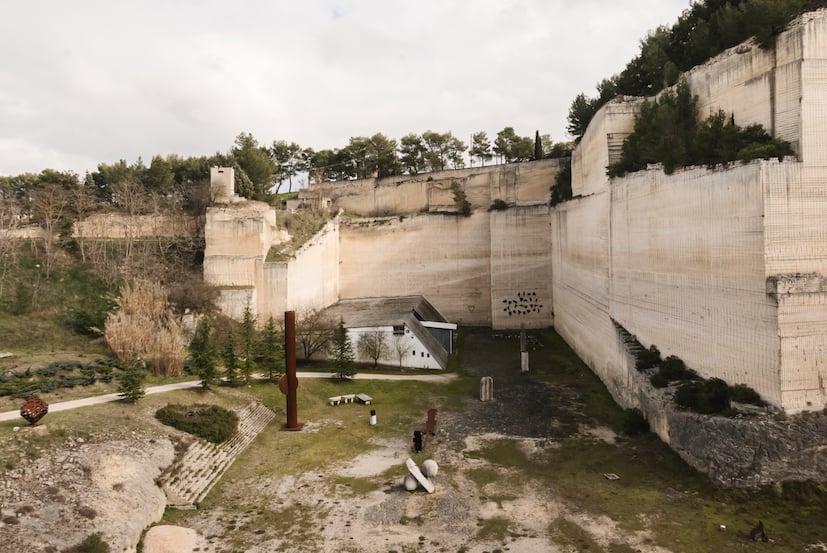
(248, 337)
(230, 361)
(538, 146)
(202, 354)
(131, 386)
(270, 351)
(342, 350)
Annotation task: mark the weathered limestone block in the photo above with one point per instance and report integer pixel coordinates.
(486, 388)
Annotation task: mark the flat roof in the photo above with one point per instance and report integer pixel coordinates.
(388, 311)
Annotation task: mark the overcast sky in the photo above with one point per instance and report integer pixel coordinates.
(84, 82)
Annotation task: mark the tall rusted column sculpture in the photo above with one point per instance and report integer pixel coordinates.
(291, 380)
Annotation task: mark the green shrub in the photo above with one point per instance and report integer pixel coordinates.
(634, 422)
(744, 394)
(460, 199)
(647, 358)
(498, 205)
(671, 369)
(209, 422)
(658, 380)
(561, 191)
(92, 544)
(706, 397)
(667, 132)
(775, 148)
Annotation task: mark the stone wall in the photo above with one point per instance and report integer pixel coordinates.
(687, 271)
(580, 280)
(310, 280)
(527, 183)
(693, 259)
(443, 257)
(487, 269)
(117, 225)
(520, 268)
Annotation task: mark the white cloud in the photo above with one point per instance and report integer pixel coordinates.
(87, 82)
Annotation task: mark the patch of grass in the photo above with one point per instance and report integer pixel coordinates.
(357, 486)
(483, 476)
(567, 533)
(656, 491)
(503, 452)
(302, 225)
(493, 529)
(93, 543)
(499, 499)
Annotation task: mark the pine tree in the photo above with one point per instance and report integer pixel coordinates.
(342, 351)
(131, 386)
(270, 350)
(538, 146)
(248, 337)
(230, 361)
(202, 355)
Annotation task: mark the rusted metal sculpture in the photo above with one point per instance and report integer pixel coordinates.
(291, 381)
(34, 409)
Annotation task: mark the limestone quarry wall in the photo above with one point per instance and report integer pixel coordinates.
(520, 268)
(601, 145)
(444, 257)
(313, 276)
(244, 229)
(525, 183)
(580, 281)
(683, 261)
(116, 225)
(796, 262)
(310, 280)
(487, 269)
(723, 268)
(688, 274)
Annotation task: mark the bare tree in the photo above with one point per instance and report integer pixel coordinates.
(373, 345)
(314, 330)
(130, 196)
(48, 206)
(82, 203)
(400, 347)
(9, 221)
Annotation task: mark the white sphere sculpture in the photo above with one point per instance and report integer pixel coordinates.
(410, 482)
(429, 468)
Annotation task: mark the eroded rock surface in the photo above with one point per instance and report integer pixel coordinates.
(63, 495)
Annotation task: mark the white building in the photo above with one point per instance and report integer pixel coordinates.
(414, 333)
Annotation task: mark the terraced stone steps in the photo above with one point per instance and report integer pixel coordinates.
(192, 477)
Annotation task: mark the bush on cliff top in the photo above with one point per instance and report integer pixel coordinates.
(705, 29)
(667, 132)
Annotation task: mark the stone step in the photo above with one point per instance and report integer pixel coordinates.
(192, 477)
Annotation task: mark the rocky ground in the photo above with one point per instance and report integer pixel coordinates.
(55, 498)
